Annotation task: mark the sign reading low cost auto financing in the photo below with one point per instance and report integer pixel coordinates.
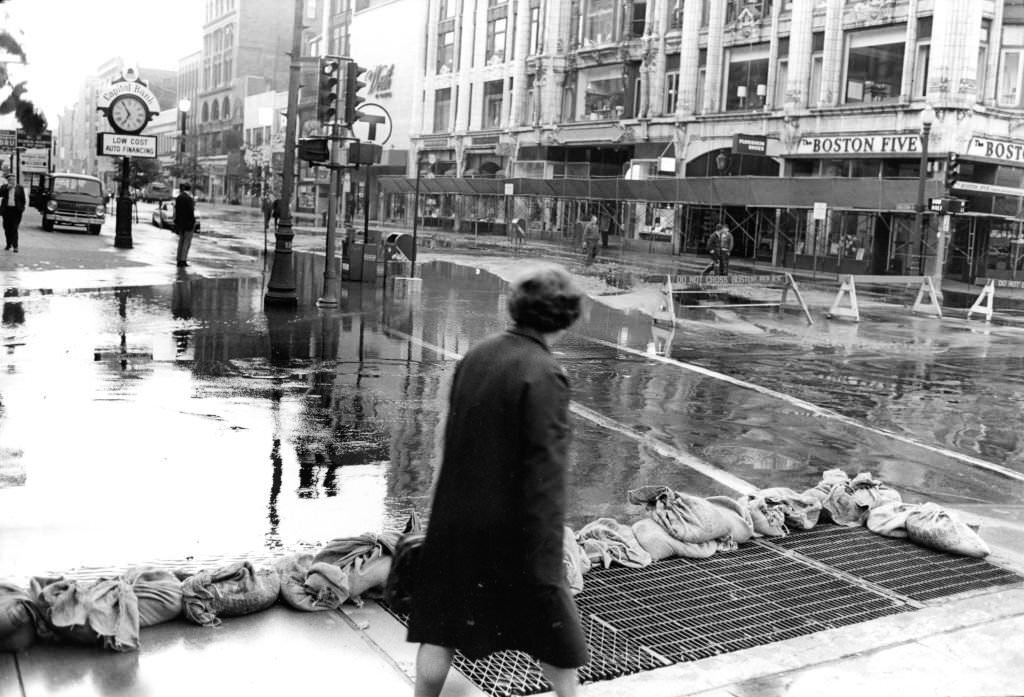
(125, 145)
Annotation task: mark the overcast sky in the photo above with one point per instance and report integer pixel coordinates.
(66, 40)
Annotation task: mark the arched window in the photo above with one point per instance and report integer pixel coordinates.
(206, 112)
(225, 110)
(215, 111)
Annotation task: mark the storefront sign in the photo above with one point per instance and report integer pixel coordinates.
(749, 145)
(988, 188)
(379, 81)
(1008, 151)
(859, 145)
(35, 160)
(8, 140)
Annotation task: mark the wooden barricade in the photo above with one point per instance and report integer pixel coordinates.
(723, 284)
(926, 303)
(984, 303)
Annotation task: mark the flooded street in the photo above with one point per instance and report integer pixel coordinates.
(183, 422)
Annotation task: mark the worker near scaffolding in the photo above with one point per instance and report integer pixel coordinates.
(719, 248)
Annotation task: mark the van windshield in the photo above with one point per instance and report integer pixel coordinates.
(69, 185)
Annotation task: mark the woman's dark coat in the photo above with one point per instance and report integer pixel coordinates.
(492, 576)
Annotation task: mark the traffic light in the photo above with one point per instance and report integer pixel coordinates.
(328, 89)
(952, 170)
(352, 86)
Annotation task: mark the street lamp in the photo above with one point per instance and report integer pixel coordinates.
(183, 106)
(927, 116)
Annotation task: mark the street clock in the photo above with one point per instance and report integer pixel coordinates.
(128, 104)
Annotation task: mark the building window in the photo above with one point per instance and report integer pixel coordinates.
(748, 77)
(442, 109)
(447, 9)
(671, 92)
(496, 3)
(639, 18)
(1009, 77)
(493, 94)
(781, 80)
(215, 111)
(874, 67)
(206, 112)
(225, 110)
(921, 69)
(676, 18)
(496, 40)
(604, 93)
(534, 31)
(445, 52)
(531, 117)
(599, 22)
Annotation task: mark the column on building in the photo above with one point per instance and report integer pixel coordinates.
(556, 31)
(657, 27)
(909, 52)
(474, 87)
(460, 90)
(988, 91)
(519, 79)
(689, 60)
(770, 98)
(420, 81)
(798, 67)
(832, 56)
(716, 36)
(953, 65)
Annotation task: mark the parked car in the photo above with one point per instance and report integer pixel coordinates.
(73, 199)
(156, 191)
(163, 216)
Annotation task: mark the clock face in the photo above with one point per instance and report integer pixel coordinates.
(128, 114)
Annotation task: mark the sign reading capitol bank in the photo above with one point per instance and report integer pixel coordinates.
(859, 145)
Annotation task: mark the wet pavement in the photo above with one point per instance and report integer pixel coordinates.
(150, 414)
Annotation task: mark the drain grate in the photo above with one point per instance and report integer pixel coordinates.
(897, 565)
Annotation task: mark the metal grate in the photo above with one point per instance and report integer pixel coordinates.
(897, 565)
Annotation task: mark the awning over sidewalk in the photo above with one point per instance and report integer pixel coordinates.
(770, 192)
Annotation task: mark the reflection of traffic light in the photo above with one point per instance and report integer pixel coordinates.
(352, 86)
(328, 89)
(952, 170)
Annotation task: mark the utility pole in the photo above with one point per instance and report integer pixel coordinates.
(281, 287)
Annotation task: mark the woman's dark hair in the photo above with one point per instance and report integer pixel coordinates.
(544, 298)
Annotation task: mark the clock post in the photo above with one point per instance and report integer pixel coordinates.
(128, 105)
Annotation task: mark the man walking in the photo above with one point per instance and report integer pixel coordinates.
(491, 573)
(184, 221)
(719, 247)
(591, 238)
(12, 205)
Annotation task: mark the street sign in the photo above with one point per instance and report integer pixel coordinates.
(989, 188)
(43, 141)
(122, 145)
(820, 209)
(8, 140)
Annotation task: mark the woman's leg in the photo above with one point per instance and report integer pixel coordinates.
(563, 680)
(432, 665)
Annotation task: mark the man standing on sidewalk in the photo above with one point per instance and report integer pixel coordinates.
(184, 221)
(12, 205)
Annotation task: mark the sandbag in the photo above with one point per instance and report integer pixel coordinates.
(889, 518)
(401, 581)
(230, 591)
(103, 613)
(741, 525)
(606, 541)
(343, 551)
(829, 480)
(801, 511)
(768, 520)
(933, 526)
(849, 504)
(687, 518)
(660, 545)
(21, 621)
(328, 585)
(292, 570)
(368, 576)
(574, 560)
(158, 592)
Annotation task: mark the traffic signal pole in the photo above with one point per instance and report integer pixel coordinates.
(281, 287)
(329, 297)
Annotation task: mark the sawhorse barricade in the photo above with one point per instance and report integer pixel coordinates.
(986, 299)
(848, 289)
(722, 284)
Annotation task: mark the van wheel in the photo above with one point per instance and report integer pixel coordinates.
(94, 229)
(47, 224)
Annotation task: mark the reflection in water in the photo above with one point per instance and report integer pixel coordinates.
(352, 403)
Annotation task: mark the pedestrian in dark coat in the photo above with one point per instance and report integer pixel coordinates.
(275, 211)
(491, 575)
(184, 222)
(12, 205)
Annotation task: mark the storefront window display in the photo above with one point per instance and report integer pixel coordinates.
(1005, 254)
(746, 86)
(603, 94)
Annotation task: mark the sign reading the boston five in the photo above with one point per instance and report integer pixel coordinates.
(1005, 150)
(859, 145)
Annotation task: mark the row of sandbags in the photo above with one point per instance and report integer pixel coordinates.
(676, 524)
(109, 612)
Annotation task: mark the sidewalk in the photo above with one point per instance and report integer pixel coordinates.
(971, 644)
